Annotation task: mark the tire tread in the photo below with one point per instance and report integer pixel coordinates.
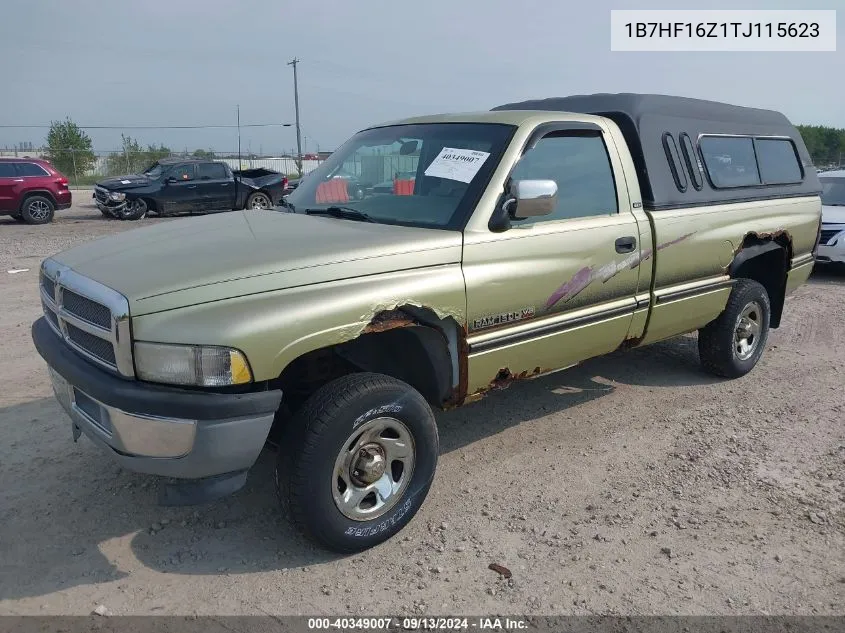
(715, 348)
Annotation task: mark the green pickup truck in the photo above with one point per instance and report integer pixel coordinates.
(517, 242)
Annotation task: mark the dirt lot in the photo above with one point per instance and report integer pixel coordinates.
(633, 484)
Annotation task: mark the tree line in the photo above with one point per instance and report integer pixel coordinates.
(70, 150)
(825, 144)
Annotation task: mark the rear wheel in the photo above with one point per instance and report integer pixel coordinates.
(357, 461)
(37, 210)
(731, 345)
(259, 201)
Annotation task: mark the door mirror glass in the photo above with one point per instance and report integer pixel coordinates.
(531, 198)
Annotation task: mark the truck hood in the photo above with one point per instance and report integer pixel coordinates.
(124, 182)
(196, 260)
(833, 215)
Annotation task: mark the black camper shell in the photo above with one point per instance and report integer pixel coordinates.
(690, 152)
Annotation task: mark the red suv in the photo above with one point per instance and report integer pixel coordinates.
(32, 189)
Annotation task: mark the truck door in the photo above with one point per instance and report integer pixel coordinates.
(216, 187)
(554, 290)
(179, 193)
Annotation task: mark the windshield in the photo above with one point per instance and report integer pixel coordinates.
(428, 175)
(833, 191)
(153, 171)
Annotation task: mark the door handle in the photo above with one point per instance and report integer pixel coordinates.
(192, 186)
(18, 180)
(225, 184)
(626, 244)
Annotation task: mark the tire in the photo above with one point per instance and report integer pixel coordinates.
(357, 412)
(258, 201)
(134, 210)
(745, 318)
(38, 210)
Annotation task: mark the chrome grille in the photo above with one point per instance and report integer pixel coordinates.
(92, 344)
(86, 309)
(101, 194)
(91, 318)
(51, 316)
(48, 285)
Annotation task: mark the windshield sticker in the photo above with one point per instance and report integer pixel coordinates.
(125, 182)
(457, 164)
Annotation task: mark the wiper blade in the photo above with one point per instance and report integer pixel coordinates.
(345, 213)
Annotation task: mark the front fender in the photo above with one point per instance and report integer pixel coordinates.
(274, 328)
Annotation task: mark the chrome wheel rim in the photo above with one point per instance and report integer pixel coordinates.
(747, 330)
(39, 210)
(260, 203)
(373, 469)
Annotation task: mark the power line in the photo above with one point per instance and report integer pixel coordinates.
(151, 127)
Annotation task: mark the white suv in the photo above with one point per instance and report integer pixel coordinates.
(832, 244)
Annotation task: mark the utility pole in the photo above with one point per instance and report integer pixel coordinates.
(239, 137)
(293, 63)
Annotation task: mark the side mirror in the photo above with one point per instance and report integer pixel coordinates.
(531, 198)
(171, 179)
(408, 147)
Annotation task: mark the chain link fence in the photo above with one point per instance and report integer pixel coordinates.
(84, 168)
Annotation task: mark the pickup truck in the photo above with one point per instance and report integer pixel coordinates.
(176, 186)
(533, 237)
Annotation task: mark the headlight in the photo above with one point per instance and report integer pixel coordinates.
(117, 197)
(201, 366)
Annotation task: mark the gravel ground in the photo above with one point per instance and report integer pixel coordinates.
(632, 484)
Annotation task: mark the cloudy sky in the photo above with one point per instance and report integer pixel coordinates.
(191, 62)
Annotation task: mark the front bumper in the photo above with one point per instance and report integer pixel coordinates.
(155, 429)
(110, 208)
(832, 254)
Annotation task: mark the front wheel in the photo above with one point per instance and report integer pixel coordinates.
(731, 345)
(134, 210)
(357, 461)
(259, 202)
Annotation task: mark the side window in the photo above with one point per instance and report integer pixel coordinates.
(671, 149)
(7, 170)
(778, 161)
(183, 172)
(692, 161)
(730, 161)
(212, 171)
(31, 169)
(580, 166)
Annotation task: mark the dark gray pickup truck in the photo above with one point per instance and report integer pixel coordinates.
(178, 186)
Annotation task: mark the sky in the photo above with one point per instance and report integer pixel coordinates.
(192, 62)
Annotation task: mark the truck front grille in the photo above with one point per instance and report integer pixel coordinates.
(101, 195)
(86, 309)
(101, 348)
(90, 317)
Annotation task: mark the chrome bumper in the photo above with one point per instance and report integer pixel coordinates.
(128, 433)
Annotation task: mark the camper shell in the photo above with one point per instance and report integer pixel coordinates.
(682, 148)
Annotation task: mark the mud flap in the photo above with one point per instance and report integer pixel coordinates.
(191, 492)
